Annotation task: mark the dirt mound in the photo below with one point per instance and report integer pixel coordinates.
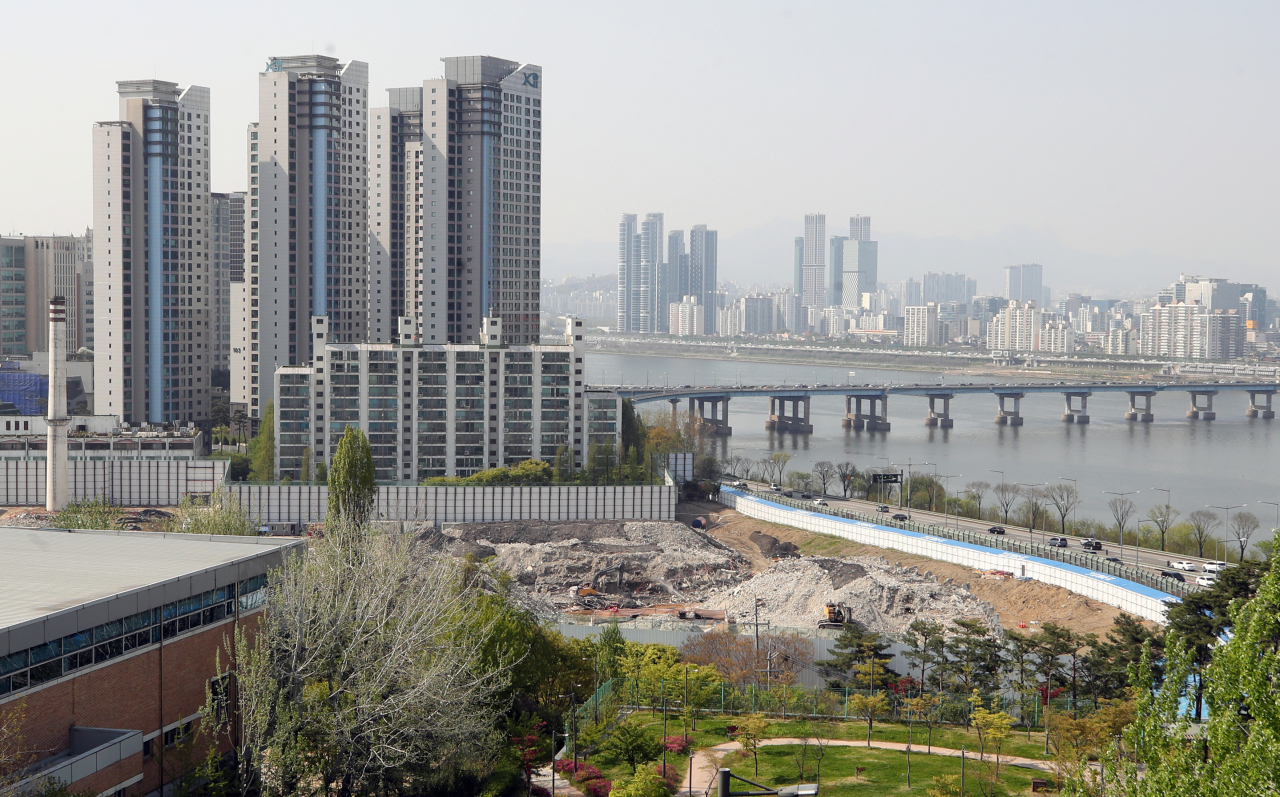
(771, 547)
(884, 598)
(596, 565)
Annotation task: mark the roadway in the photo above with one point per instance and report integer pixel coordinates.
(1154, 561)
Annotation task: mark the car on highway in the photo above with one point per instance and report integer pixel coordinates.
(1114, 560)
(806, 496)
(1057, 542)
(1215, 567)
(740, 484)
(788, 493)
(1206, 581)
(775, 487)
(1173, 574)
(996, 530)
(820, 502)
(883, 508)
(900, 517)
(1189, 567)
(1091, 544)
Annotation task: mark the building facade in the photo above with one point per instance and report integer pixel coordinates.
(1024, 283)
(307, 225)
(920, 326)
(687, 317)
(441, 409)
(1015, 327)
(151, 255)
(226, 242)
(34, 269)
(703, 266)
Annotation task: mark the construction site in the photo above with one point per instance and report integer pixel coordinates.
(714, 567)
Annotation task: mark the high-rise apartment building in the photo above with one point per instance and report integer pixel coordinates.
(307, 226)
(456, 198)
(813, 288)
(702, 272)
(1190, 331)
(860, 228)
(34, 269)
(798, 273)
(226, 243)
(1015, 327)
(1024, 283)
(678, 264)
(861, 271)
(84, 298)
(651, 263)
(941, 288)
(920, 326)
(687, 317)
(634, 288)
(151, 255)
(835, 270)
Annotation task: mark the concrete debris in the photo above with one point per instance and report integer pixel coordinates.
(884, 598)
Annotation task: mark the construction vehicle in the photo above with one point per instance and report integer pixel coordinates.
(837, 616)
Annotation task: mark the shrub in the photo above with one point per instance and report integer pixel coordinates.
(598, 788)
(676, 744)
(671, 776)
(578, 773)
(539, 791)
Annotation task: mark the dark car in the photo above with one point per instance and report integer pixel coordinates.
(788, 493)
(1173, 574)
(1115, 560)
(1091, 544)
(900, 517)
(807, 496)
(996, 530)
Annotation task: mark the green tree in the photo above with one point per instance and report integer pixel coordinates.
(993, 729)
(610, 648)
(633, 744)
(869, 706)
(644, 784)
(859, 659)
(634, 431)
(752, 730)
(352, 488)
(927, 648)
(262, 451)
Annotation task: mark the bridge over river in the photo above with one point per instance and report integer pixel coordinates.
(866, 406)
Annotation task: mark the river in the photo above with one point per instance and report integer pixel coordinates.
(1222, 462)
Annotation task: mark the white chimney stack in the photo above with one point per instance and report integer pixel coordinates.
(55, 484)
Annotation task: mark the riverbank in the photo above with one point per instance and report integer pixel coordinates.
(832, 357)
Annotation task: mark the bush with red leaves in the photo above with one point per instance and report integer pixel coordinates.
(672, 776)
(676, 744)
(598, 788)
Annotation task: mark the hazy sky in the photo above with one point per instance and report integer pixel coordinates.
(1139, 135)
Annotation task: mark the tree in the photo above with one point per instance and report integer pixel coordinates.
(825, 473)
(1064, 498)
(307, 456)
(993, 729)
(778, 461)
(1242, 528)
(926, 648)
(869, 706)
(352, 488)
(1163, 517)
(1034, 500)
(644, 784)
(367, 668)
(262, 450)
(240, 422)
(926, 709)
(859, 658)
(974, 657)
(609, 650)
(220, 411)
(1122, 510)
(1006, 496)
(798, 480)
(752, 730)
(1203, 524)
(634, 745)
(978, 490)
(846, 472)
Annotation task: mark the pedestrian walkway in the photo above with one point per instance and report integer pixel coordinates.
(704, 770)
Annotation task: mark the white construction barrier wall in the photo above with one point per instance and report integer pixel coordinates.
(121, 482)
(1136, 599)
(306, 503)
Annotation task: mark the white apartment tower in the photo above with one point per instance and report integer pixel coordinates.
(456, 198)
(151, 255)
(860, 228)
(920, 326)
(703, 260)
(226, 244)
(307, 227)
(812, 268)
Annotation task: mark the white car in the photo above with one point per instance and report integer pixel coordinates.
(777, 488)
(1215, 567)
(1206, 581)
(1190, 567)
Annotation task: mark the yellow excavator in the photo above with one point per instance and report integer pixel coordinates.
(836, 615)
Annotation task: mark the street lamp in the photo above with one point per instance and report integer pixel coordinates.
(1226, 509)
(946, 493)
(910, 465)
(1121, 495)
(1276, 528)
(1032, 530)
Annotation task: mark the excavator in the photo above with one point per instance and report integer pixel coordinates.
(837, 616)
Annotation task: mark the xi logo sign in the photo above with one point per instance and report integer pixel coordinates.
(531, 79)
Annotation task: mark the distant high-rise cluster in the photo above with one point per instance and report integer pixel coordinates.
(653, 278)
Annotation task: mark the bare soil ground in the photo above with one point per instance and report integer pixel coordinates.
(1015, 602)
(138, 518)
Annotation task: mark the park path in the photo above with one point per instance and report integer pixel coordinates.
(704, 771)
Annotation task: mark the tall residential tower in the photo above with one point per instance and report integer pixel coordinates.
(151, 255)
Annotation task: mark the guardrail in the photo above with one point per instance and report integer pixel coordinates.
(1067, 556)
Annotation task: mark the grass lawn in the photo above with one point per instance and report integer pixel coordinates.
(711, 731)
(886, 771)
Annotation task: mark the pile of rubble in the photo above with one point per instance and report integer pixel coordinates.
(882, 597)
(598, 565)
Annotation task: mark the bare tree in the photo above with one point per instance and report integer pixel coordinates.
(1065, 498)
(1035, 502)
(1122, 510)
(825, 473)
(1242, 527)
(372, 660)
(979, 492)
(765, 464)
(748, 467)
(779, 461)
(1007, 494)
(732, 464)
(1203, 524)
(846, 472)
(1163, 517)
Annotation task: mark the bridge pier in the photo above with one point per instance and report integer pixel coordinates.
(718, 419)
(1206, 412)
(1134, 414)
(795, 422)
(675, 404)
(1073, 415)
(940, 419)
(1257, 410)
(872, 420)
(1010, 417)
